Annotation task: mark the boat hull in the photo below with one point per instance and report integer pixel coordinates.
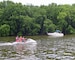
(55, 34)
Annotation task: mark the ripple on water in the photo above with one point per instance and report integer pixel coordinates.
(47, 49)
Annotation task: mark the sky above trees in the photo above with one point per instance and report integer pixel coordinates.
(43, 2)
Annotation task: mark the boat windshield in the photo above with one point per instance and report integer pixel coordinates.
(58, 31)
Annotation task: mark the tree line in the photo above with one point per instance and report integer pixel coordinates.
(18, 19)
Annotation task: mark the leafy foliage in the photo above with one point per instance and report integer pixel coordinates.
(18, 19)
(4, 30)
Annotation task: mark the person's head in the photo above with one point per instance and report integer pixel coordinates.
(16, 36)
(23, 36)
(20, 36)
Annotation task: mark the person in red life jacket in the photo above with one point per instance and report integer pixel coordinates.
(20, 39)
(24, 39)
(17, 39)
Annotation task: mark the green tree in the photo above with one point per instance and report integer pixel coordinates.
(70, 30)
(49, 26)
(4, 30)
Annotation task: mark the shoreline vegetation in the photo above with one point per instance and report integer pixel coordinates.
(28, 20)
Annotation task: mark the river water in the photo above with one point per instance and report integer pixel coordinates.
(48, 48)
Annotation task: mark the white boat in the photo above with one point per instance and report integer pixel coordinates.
(56, 34)
(28, 41)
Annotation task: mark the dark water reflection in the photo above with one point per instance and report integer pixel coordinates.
(48, 48)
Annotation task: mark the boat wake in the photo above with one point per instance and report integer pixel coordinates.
(4, 44)
(27, 48)
(29, 41)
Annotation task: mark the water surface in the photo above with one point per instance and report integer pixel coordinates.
(48, 48)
